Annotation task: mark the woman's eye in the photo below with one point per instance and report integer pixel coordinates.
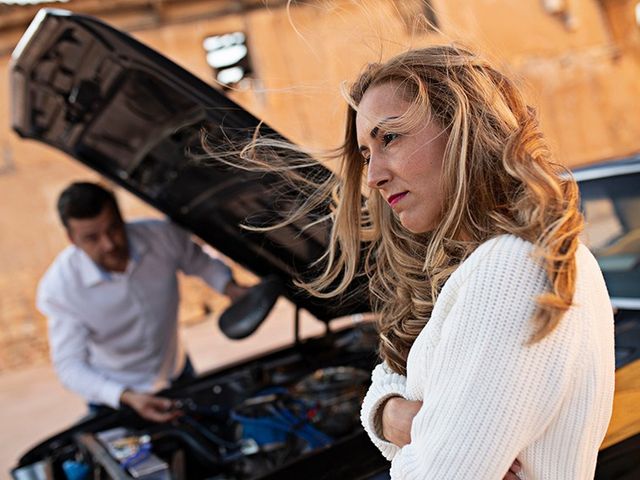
(365, 158)
(387, 138)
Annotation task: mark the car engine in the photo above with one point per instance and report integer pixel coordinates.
(253, 421)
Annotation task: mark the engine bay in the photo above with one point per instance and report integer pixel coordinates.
(255, 420)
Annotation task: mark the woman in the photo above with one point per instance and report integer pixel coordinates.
(495, 320)
(496, 331)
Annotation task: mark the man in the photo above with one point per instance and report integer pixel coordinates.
(111, 299)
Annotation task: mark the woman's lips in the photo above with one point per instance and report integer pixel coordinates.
(395, 198)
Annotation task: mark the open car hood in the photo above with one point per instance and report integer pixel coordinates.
(129, 113)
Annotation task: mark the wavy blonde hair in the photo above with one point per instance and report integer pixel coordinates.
(497, 178)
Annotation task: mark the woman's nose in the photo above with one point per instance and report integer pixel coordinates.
(377, 174)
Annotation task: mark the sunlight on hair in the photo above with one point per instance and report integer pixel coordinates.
(497, 178)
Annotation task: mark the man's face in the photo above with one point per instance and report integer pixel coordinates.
(103, 238)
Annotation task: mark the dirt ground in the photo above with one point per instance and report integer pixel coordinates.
(33, 405)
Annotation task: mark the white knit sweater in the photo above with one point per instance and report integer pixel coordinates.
(489, 397)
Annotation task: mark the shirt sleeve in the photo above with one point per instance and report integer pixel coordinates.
(68, 338)
(194, 261)
(489, 393)
(384, 384)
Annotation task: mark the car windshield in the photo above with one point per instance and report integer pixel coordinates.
(612, 211)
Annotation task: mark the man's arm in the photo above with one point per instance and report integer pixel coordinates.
(193, 260)
(234, 291)
(68, 338)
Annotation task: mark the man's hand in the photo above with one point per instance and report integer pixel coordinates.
(150, 407)
(397, 417)
(234, 291)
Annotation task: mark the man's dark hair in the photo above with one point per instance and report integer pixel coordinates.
(85, 200)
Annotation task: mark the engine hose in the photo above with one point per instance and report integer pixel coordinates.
(315, 437)
(209, 435)
(283, 420)
(208, 458)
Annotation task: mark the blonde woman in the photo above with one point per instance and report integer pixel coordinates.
(496, 330)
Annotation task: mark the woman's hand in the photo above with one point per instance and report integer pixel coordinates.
(513, 469)
(397, 417)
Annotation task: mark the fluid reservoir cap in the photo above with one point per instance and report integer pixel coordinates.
(76, 470)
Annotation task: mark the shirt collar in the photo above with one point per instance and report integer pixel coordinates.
(92, 274)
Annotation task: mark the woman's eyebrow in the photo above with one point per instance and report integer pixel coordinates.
(373, 133)
(375, 130)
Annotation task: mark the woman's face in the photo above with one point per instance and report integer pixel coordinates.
(406, 169)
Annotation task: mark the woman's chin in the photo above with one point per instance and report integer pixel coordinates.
(415, 227)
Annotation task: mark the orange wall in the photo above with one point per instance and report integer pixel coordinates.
(580, 68)
(582, 78)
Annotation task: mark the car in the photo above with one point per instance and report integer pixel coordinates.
(129, 113)
(610, 198)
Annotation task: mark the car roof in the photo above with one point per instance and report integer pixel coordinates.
(609, 168)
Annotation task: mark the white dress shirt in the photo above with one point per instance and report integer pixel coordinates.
(110, 331)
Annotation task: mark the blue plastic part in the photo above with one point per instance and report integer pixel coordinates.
(275, 428)
(76, 470)
(264, 430)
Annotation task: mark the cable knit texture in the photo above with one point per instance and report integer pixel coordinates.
(491, 397)
(384, 384)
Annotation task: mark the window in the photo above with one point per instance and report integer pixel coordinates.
(612, 231)
(228, 56)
